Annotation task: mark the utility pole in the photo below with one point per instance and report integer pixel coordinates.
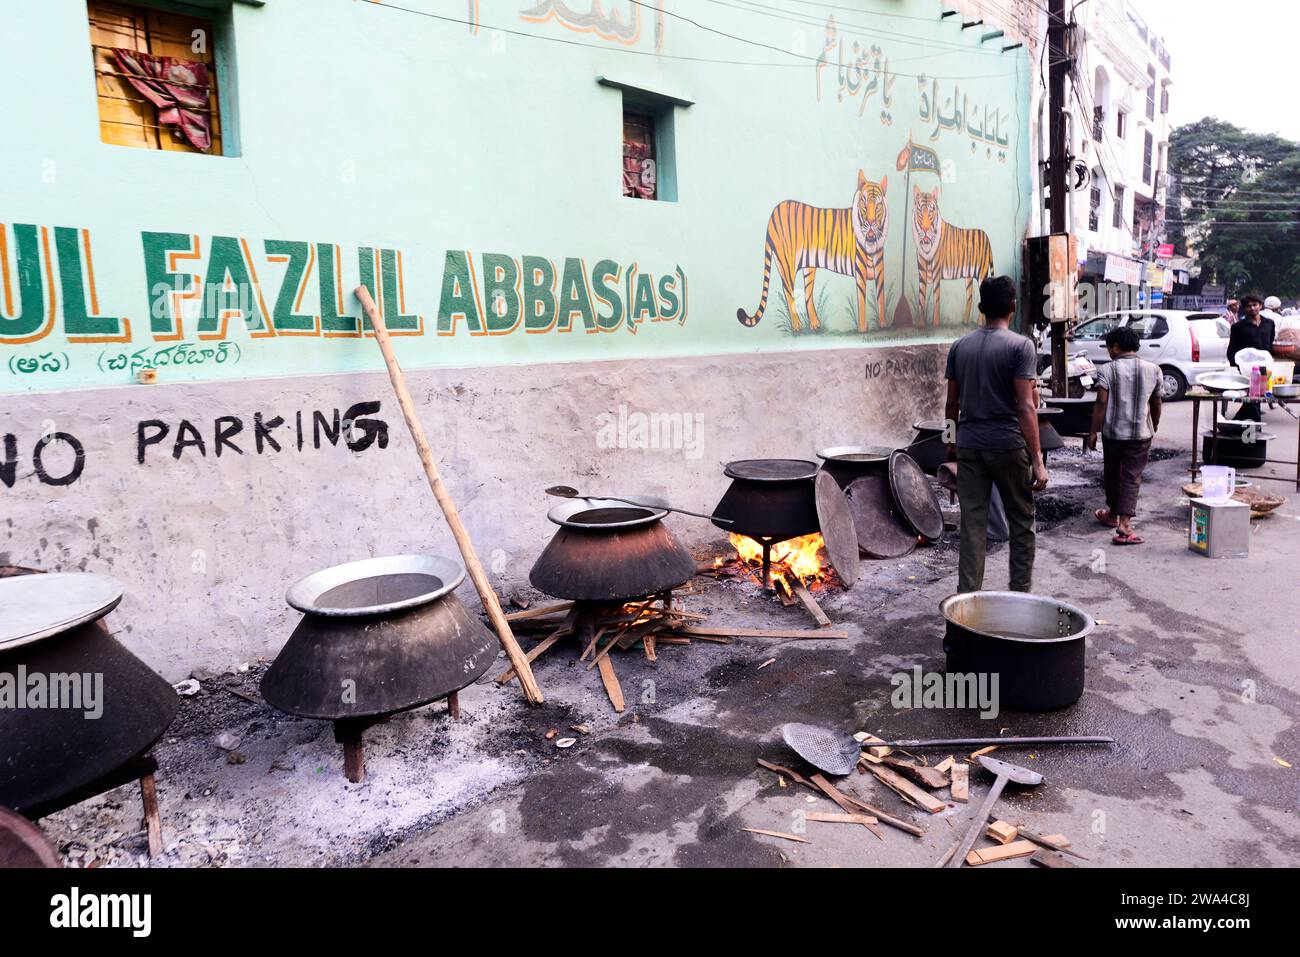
(1057, 161)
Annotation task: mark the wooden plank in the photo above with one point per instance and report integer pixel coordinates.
(534, 653)
(792, 775)
(649, 642)
(822, 818)
(1002, 832)
(882, 816)
(922, 799)
(943, 766)
(833, 793)
(1046, 858)
(990, 855)
(612, 687)
(975, 755)
(810, 603)
(865, 740)
(929, 777)
(781, 834)
(698, 632)
(961, 783)
(539, 611)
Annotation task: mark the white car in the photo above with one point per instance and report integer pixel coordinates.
(1183, 344)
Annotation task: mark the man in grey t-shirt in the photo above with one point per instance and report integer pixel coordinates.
(991, 375)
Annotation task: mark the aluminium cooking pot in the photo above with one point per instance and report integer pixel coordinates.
(52, 634)
(1034, 643)
(389, 630)
(606, 550)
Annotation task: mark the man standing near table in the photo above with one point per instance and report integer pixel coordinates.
(991, 380)
(1252, 331)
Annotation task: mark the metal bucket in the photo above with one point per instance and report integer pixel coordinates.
(1035, 644)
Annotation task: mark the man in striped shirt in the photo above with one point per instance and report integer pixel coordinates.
(1127, 414)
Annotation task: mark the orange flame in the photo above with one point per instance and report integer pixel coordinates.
(798, 556)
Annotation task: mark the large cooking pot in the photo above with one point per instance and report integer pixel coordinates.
(377, 636)
(1232, 449)
(770, 499)
(50, 627)
(1035, 644)
(606, 550)
(1075, 417)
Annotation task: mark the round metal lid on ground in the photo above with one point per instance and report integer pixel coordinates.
(881, 532)
(771, 470)
(375, 586)
(838, 530)
(33, 607)
(914, 496)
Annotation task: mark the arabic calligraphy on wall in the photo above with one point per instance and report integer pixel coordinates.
(864, 71)
(622, 24)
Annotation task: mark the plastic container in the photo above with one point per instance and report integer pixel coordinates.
(1281, 371)
(1218, 482)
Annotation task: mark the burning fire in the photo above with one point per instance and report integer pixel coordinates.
(799, 557)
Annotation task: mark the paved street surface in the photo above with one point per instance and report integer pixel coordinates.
(1192, 669)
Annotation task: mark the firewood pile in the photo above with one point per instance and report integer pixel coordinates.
(644, 626)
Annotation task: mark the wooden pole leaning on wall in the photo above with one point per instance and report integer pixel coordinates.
(485, 593)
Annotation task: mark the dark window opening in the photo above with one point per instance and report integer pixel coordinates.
(1094, 207)
(1151, 93)
(1146, 158)
(1118, 220)
(640, 161)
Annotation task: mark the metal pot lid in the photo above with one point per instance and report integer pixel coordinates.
(33, 607)
(855, 453)
(602, 514)
(930, 425)
(915, 497)
(1222, 381)
(375, 586)
(881, 532)
(771, 470)
(838, 531)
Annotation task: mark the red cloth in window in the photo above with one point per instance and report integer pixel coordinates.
(178, 88)
(639, 172)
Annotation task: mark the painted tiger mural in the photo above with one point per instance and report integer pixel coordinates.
(945, 251)
(849, 241)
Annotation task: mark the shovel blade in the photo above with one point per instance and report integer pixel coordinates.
(1012, 772)
(830, 751)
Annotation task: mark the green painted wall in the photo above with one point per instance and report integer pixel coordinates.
(469, 173)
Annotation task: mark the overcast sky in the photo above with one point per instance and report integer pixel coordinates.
(1239, 61)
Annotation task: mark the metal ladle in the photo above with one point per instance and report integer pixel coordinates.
(564, 491)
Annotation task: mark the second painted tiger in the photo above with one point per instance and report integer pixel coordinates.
(849, 241)
(945, 251)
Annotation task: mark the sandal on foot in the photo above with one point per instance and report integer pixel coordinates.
(1103, 515)
(1130, 539)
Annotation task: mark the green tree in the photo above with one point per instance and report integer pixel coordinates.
(1236, 196)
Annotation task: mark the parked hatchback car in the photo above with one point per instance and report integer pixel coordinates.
(1184, 344)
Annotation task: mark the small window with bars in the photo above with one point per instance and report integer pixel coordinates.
(1118, 219)
(155, 78)
(1094, 204)
(640, 171)
(1151, 93)
(1146, 158)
